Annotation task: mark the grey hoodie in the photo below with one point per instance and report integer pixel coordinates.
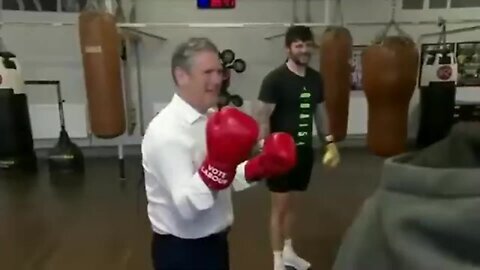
(425, 214)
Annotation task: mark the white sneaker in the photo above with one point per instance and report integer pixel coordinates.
(296, 262)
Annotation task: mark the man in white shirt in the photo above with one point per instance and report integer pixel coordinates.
(191, 159)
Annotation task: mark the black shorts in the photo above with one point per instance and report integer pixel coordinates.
(298, 178)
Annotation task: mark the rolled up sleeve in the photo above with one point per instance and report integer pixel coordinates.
(171, 161)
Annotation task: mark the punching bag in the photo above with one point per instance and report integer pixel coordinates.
(389, 77)
(100, 45)
(335, 56)
(16, 140)
(437, 97)
(437, 110)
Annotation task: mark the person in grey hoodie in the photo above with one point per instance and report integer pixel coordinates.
(425, 215)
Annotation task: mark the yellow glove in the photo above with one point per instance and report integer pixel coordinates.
(331, 158)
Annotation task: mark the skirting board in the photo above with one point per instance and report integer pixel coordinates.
(45, 120)
(135, 150)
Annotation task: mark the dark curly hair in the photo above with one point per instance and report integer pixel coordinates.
(298, 33)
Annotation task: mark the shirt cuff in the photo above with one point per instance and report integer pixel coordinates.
(200, 195)
(240, 183)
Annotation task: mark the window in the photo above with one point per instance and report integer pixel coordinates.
(30, 5)
(44, 5)
(439, 4)
(435, 4)
(412, 4)
(464, 3)
(73, 5)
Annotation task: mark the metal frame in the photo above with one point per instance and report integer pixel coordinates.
(429, 22)
(325, 23)
(241, 25)
(449, 31)
(180, 25)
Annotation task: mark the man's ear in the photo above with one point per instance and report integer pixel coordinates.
(181, 76)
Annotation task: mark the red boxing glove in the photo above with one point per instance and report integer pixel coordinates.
(279, 155)
(231, 135)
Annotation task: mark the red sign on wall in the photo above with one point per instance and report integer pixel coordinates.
(216, 4)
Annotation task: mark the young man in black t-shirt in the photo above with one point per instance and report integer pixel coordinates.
(290, 99)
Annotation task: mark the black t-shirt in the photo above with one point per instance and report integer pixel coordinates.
(295, 98)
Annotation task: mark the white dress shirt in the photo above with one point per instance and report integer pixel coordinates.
(179, 202)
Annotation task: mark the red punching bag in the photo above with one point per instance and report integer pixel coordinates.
(335, 56)
(390, 70)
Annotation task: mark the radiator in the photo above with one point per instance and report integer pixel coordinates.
(45, 120)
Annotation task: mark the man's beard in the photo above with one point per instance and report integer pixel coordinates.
(297, 61)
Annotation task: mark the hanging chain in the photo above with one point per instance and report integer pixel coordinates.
(393, 7)
(91, 5)
(338, 12)
(393, 23)
(442, 39)
(294, 12)
(308, 12)
(382, 34)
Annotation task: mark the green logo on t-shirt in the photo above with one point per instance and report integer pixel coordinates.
(305, 121)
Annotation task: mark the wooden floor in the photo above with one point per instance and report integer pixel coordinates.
(99, 222)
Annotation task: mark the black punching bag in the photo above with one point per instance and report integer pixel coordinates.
(437, 109)
(437, 98)
(16, 140)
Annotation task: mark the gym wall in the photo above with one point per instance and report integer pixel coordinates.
(48, 52)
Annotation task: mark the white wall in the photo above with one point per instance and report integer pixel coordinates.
(53, 52)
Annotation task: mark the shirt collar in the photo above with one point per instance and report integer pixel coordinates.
(186, 110)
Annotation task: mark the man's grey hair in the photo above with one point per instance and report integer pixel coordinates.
(185, 51)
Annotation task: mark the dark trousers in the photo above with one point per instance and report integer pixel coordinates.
(173, 253)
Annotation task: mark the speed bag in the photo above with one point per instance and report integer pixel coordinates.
(335, 56)
(100, 46)
(389, 78)
(10, 73)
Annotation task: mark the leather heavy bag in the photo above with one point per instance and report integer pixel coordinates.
(100, 45)
(335, 56)
(390, 74)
